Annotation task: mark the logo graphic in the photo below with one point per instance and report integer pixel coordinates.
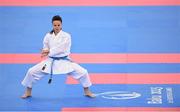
(119, 95)
(157, 95)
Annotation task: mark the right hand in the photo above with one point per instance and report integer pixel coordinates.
(44, 53)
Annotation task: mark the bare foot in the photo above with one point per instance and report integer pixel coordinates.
(25, 96)
(27, 93)
(89, 94)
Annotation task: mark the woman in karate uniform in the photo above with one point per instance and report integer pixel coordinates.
(56, 47)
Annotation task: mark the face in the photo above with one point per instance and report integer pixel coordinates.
(57, 26)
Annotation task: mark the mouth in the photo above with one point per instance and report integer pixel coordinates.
(56, 29)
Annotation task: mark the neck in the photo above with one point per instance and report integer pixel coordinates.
(56, 33)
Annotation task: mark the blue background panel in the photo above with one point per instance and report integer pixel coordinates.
(152, 29)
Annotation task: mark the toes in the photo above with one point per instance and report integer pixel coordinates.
(25, 96)
(91, 95)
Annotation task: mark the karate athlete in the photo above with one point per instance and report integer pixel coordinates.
(56, 48)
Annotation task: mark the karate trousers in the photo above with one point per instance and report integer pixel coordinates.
(35, 73)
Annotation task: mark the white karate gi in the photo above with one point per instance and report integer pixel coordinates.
(59, 46)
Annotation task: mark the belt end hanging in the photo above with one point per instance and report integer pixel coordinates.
(50, 80)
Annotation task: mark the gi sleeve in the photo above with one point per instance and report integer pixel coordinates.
(45, 42)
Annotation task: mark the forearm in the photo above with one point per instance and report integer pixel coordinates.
(62, 49)
(58, 51)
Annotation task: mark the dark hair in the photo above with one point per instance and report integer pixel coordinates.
(56, 18)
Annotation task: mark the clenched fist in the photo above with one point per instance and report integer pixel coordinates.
(44, 53)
